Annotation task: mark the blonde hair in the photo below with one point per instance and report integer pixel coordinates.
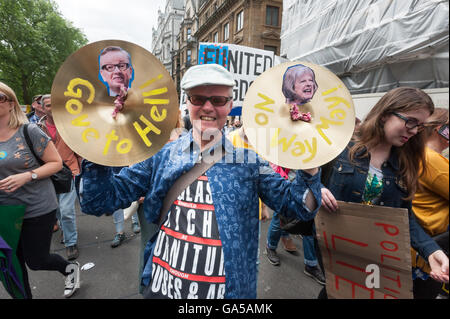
(17, 117)
(371, 132)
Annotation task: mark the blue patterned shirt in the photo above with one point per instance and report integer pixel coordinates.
(236, 183)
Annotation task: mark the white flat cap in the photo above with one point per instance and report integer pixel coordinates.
(206, 74)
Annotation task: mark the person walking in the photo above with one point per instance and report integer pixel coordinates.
(119, 221)
(35, 115)
(66, 212)
(24, 182)
(275, 233)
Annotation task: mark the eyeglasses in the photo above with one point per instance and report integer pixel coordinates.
(4, 98)
(410, 123)
(199, 100)
(111, 67)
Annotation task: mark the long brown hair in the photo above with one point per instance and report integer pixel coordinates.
(371, 132)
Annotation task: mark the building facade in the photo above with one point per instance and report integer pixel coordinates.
(253, 23)
(164, 38)
(187, 53)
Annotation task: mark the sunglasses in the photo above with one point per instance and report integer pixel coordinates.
(4, 98)
(199, 100)
(410, 123)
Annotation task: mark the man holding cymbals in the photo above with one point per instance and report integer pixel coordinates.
(207, 244)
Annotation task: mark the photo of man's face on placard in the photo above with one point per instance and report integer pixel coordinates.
(115, 69)
(299, 84)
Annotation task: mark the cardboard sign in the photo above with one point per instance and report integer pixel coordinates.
(245, 63)
(366, 251)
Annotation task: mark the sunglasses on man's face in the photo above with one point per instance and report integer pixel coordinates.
(4, 98)
(199, 100)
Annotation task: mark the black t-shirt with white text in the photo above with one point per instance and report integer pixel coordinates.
(188, 257)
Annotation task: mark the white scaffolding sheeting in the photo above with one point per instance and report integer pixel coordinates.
(372, 45)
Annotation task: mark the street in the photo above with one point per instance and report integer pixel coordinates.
(115, 271)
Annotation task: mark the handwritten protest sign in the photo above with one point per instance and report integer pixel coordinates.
(245, 63)
(366, 251)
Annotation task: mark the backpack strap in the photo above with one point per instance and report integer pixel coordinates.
(184, 181)
(30, 144)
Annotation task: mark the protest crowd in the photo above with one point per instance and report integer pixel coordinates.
(206, 227)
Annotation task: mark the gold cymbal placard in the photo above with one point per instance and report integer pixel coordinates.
(298, 144)
(82, 106)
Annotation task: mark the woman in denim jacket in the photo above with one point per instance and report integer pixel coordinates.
(380, 166)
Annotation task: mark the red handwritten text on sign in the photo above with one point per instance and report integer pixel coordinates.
(361, 235)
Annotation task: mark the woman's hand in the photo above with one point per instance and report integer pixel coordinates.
(439, 266)
(328, 200)
(52, 164)
(14, 182)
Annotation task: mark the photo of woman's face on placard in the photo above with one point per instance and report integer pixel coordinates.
(299, 84)
(115, 69)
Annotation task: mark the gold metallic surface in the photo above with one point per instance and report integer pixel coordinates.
(82, 108)
(298, 144)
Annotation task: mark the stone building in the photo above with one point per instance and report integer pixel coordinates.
(187, 43)
(164, 38)
(253, 23)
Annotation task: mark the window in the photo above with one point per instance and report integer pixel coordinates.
(240, 20)
(188, 56)
(270, 48)
(216, 37)
(226, 31)
(272, 15)
(188, 34)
